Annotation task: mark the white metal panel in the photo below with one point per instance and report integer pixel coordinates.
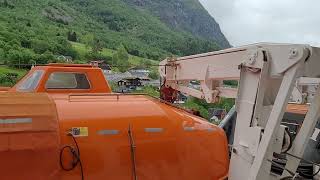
(260, 165)
(301, 140)
(244, 106)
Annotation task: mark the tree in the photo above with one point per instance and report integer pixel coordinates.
(146, 63)
(25, 43)
(202, 106)
(120, 58)
(45, 58)
(88, 40)
(7, 4)
(1, 55)
(154, 74)
(72, 36)
(20, 57)
(2, 44)
(93, 42)
(97, 46)
(40, 46)
(63, 47)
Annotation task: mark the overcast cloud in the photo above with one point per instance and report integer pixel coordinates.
(251, 21)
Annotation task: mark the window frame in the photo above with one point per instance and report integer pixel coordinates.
(68, 72)
(27, 77)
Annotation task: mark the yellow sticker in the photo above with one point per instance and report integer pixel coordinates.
(80, 131)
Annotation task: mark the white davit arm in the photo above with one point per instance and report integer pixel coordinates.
(209, 69)
(267, 75)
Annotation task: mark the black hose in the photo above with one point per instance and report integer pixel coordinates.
(75, 157)
(74, 160)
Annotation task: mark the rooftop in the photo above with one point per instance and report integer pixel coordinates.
(69, 65)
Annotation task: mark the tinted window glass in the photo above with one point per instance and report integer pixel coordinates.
(67, 80)
(31, 82)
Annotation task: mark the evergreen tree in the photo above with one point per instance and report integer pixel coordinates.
(120, 59)
(72, 36)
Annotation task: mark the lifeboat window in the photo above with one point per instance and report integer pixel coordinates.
(67, 80)
(31, 82)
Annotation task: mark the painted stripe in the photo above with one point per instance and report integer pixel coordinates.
(108, 132)
(153, 130)
(188, 128)
(16, 121)
(210, 129)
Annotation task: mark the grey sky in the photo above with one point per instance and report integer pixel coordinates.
(251, 21)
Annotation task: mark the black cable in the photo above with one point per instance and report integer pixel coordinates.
(301, 173)
(307, 175)
(74, 160)
(79, 159)
(290, 141)
(308, 162)
(287, 178)
(75, 155)
(280, 166)
(316, 173)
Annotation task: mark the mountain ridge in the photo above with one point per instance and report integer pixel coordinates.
(185, 15)
(35, 30)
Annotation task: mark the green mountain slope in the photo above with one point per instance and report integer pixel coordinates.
(184, 15)
(37, 30)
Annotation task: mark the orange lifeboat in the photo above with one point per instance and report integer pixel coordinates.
(138, 137)
(115, 137)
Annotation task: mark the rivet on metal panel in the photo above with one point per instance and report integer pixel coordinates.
(234, 150)
(252, 57)
(293, 53)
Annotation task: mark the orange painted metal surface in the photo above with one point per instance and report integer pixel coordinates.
(297, 108)
(170, 143)
(29, 137)
(97, 81)
(4, 89)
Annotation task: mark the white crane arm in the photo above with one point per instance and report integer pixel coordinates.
(267, 74)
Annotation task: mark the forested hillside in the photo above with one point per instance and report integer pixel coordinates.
(184, 15)
(39, 30)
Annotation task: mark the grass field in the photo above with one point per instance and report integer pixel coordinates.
(4, 70)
